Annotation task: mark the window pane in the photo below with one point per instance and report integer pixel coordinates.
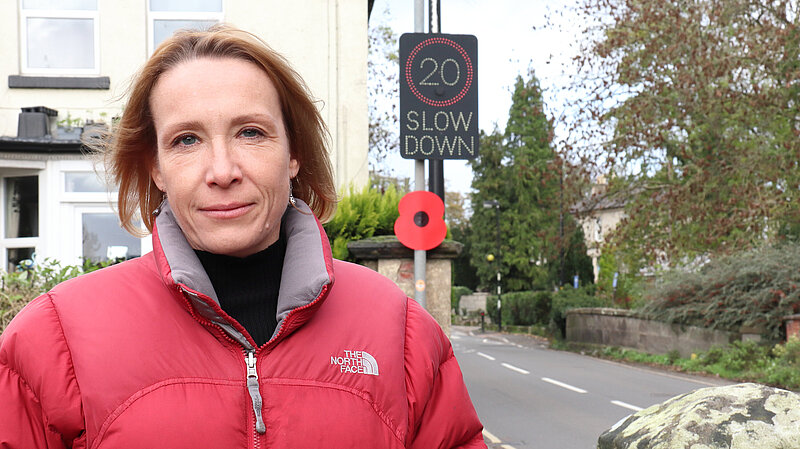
(17, 255)
(87, 5)
(60, 43)
(85, 181)
(186, 5)
(22, 207)
(104, 239)
(163, 29)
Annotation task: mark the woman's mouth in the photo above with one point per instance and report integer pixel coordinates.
(226, 211)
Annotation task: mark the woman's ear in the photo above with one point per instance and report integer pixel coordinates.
(294, 168)
(155, 175)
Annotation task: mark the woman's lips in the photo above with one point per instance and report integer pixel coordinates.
(227, 211)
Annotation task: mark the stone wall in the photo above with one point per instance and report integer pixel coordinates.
(390, 258)
(473, 303)
(614, 327)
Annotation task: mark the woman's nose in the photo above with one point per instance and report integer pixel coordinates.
(224, 168)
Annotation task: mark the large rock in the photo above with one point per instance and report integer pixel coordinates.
(743, 416)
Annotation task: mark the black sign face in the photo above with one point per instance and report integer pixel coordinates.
(438, 96)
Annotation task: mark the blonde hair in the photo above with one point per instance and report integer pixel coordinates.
(130, 152)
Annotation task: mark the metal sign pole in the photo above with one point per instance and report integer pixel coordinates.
(438, 115)
(435, 166)
(420, 256)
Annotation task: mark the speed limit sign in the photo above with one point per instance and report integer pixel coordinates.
(438, 96)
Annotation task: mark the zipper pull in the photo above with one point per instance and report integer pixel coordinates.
(255, 394)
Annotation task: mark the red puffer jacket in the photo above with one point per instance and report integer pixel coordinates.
(140, 355)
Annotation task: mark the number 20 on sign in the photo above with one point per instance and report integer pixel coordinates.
(438, 96)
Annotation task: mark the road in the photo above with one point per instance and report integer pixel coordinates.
(531, 397)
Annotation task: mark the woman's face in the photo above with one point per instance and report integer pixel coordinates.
(223, 155)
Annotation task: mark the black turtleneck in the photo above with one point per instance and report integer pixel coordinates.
(247, 288)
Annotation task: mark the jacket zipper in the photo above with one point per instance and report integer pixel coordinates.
(250, 357)
(251, 377)
(255, 394)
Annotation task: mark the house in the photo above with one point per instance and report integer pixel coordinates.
(67, 65)
(599, 215)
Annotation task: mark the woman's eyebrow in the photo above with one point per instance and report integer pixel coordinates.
(172, 128)
(268, 120)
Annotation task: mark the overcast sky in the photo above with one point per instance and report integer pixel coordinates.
(512, 36)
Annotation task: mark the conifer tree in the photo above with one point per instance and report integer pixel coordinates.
(521, 171)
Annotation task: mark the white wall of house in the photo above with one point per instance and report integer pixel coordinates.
(597, 224)
(325, 41)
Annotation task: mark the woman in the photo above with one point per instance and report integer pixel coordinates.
(239, 329)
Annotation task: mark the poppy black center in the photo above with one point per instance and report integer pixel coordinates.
(421, 219)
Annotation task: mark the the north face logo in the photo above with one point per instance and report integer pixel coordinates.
(356, 362)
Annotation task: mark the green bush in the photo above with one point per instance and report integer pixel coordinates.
(361, 215)
(756, 288)
(629, 289)
(522, 308)
(20, 287)
(572, 298)
(740, 360)
(778, 365)
(784, 370)
(456, 292)
(528, 308)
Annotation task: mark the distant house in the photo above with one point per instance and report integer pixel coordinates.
(54, 203)
(69, 63)
(599, 215)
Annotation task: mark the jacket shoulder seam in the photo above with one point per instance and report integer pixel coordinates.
(69, 351)
(409, 430)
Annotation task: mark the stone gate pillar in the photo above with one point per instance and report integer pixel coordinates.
(387, 256)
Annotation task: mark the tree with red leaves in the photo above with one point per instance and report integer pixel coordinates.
(692, 107)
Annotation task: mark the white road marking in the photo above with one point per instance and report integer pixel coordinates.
(563, 385)
(492, 439)
(514, 368)
(626, 405)
(486, 356)
(455, 337)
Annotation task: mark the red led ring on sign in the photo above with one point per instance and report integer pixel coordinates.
(417, 93)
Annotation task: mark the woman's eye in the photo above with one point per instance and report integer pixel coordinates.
(186, 140)
(250, 132)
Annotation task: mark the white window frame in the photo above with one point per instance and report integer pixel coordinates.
(25, 14)
(107, 197)
(73, 204)
(7, 243)
(77, 210)
(152, 16)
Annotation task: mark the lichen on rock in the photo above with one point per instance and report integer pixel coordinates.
(742, 416)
